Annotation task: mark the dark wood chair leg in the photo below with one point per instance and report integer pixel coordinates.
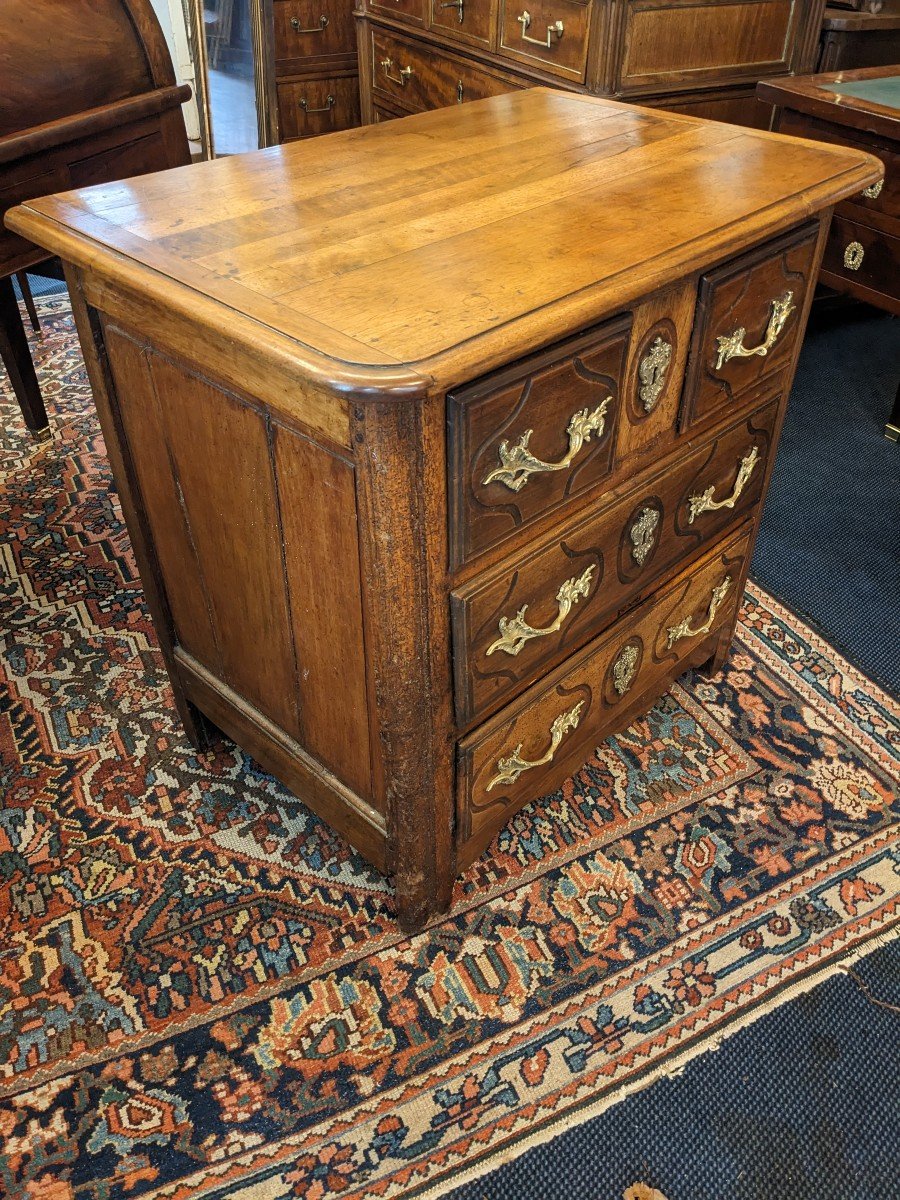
(892, 428)
(25, 288)
(17, 359)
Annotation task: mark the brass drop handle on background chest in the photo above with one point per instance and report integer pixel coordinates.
(703, 502)
(731, 345)
(404, 74)
(328, 106)
(295, 25)
(684, 629)
(556, 29)
(509, 769)
(459, 5)
(516, 632)
(518, 463)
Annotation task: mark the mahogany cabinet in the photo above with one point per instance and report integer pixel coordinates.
(88, 95)
(701, 57)
(442, 443)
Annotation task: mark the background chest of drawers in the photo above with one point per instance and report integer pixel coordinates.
(437, 480)
(313, 58)
(702, 58)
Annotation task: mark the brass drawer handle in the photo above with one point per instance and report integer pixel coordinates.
(731, 345)
(853, 256)
(704, 501)
(652, 372)
(683, 628)
(556, 28)
(402, 78)
(459, 5)
(509, 769)
(329, 105)
(518, 463)
(516, 632)
(295, 25)
(873, 191)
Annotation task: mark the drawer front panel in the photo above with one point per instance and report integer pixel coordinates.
(534, 744)
(748, 319)
(469, 21)
(316, 106)
(857, 256)
(530, 613)
(528, 439)
(419, 78)
(308, 30)
(413, 11)
(669, 44)
(551, 35)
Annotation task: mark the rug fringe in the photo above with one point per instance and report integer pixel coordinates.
(672, 1068)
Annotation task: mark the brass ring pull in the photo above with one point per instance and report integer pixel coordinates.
(509, 769)
(518, 463)
(516, 632)
(459, 5)
(873, 191)
(329, 105)
(556, 28)
(295, 25)
(402, 78)
(683, 628)
(704, 502)
(731, 345)
(853, 256)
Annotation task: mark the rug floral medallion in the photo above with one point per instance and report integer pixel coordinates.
(203, 992)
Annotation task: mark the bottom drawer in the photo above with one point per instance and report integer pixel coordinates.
(860, 258)
(535, 743)
(313, 106)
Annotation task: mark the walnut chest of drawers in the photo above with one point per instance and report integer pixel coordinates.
(442, 443)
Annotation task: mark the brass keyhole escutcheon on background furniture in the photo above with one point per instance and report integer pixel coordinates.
(853, 256)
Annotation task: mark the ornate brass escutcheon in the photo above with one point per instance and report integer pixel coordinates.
(510, 768)
(643, 534)
(873, 191)
(516, 632)
(853, 256)
(652, 372)
(704, 502)
(684, 629)
(625, 667)
(731, 345)
(518, 463)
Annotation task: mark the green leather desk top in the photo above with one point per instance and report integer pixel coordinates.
(884, 91)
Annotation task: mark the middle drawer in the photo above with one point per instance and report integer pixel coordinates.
(529, 613)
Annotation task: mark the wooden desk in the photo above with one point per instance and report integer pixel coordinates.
(89, 95)
(442, 443)
(860, 109)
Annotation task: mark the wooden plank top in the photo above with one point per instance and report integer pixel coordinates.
(417, 252)
(864, 99)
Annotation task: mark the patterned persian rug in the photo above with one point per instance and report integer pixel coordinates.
(202, 989)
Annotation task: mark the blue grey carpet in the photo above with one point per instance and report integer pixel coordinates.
(829, 545)
(802, 1105)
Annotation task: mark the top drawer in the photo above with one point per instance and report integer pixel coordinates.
(310, 29)
(549, 34)
(529, 438)
(748, 320)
